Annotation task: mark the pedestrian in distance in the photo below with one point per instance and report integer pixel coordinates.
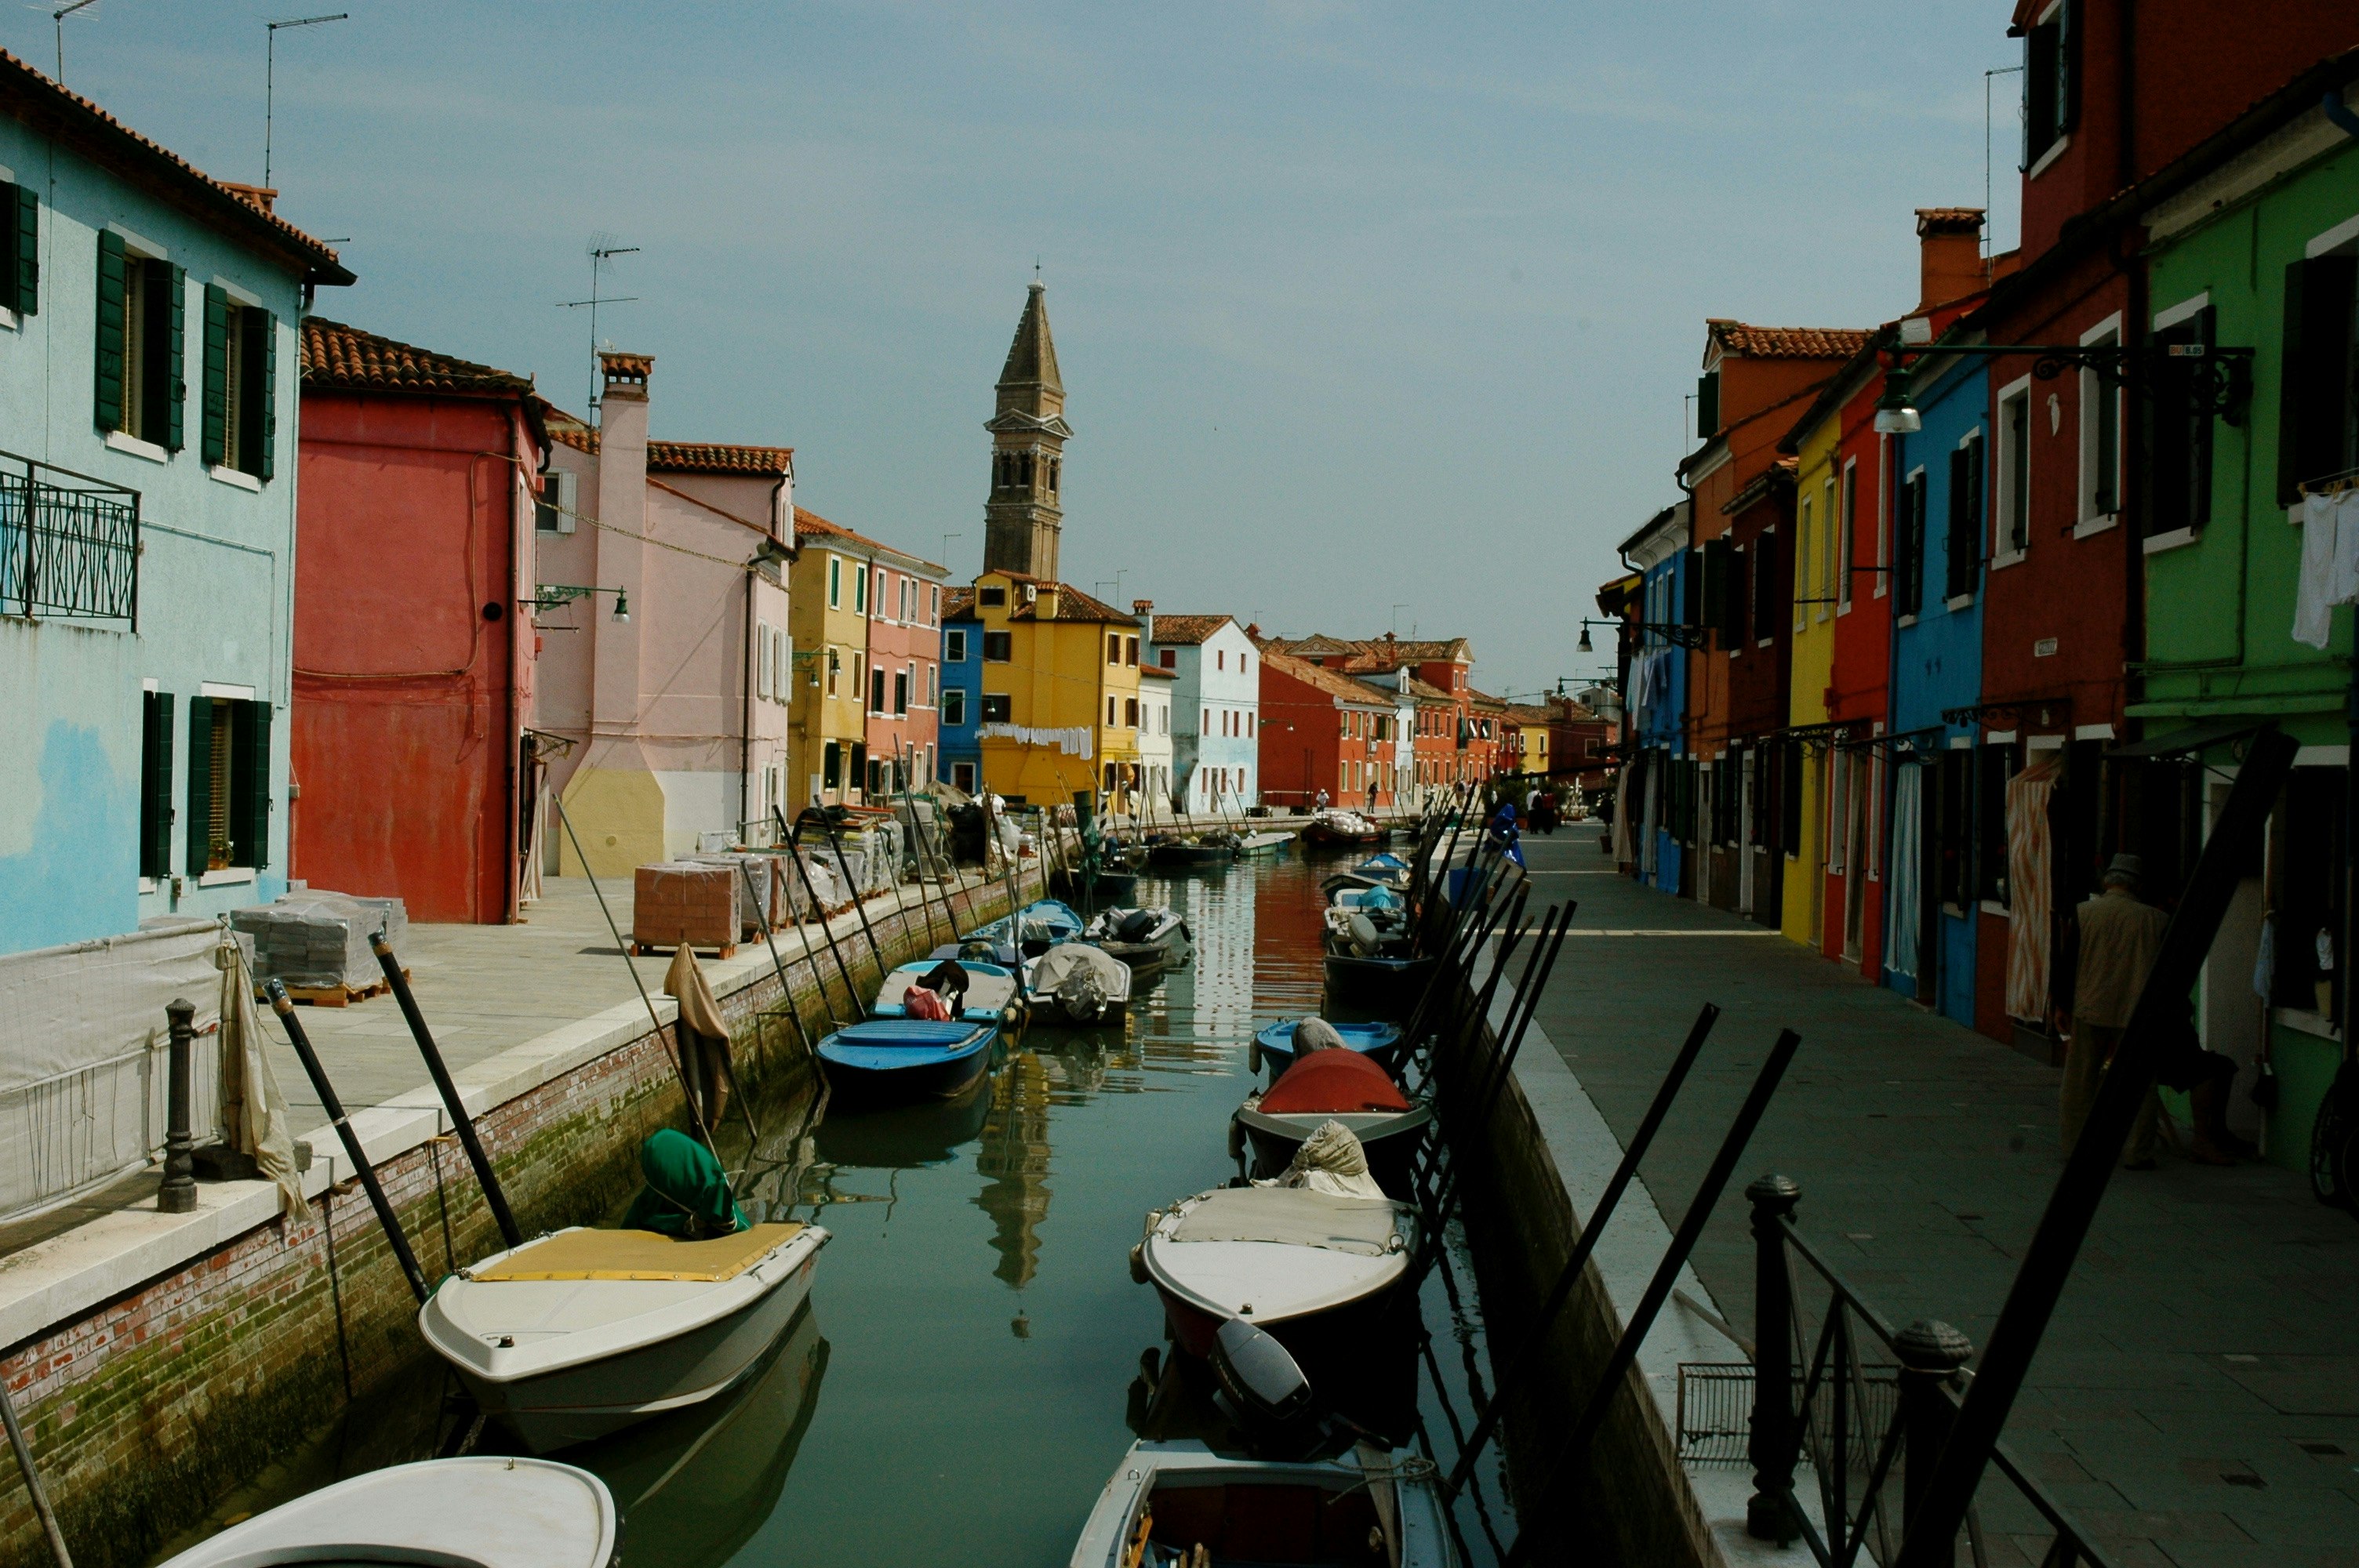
(1322, 798)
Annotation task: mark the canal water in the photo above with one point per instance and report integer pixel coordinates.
(962, 1385)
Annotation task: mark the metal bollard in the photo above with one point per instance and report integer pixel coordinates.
(1772, 1446)
(178, 1194)
(1931, 1354)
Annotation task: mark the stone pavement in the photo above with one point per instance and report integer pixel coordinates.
(2196, 1401)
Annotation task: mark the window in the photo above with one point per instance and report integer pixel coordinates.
(962, 776)
(1962, 545)
(1249, 725)
(2051, 87)
(1708, 406)
(782, 665)
(762, 660)
(934, 605)
(1990, 835)
(834, 588)
(2012, 526)
(901, 693)
(831, 765)
(1130, 651)
(2308, 843)
(156, 786)
(954, 647)
(1130, 712)
(1114, 650)
(1110, 712)
(553, 513)
(1909, 545)
(2179, 489)
(241, 385)
(1208, 721)
(834, 668)
(934, 685)
(856, 764)
(997, 709)
(954, 704)
(908, 599)
(142, 325)
(998, 647)
(1829, 531)
(860, 590)
(1846, 552)
(1168, 658)
(1245, 664)
(1765, 583)
(1219, 658)
(2101, 440)
(229, 802)
(2318, 411)
(993, 598)
(876, 691)
(1952, 786)
(859, 675)
(20, 249)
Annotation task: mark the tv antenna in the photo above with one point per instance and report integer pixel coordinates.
(602, 251)
(270, 73)
(59, 17)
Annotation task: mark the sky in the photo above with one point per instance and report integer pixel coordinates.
(1371, 316)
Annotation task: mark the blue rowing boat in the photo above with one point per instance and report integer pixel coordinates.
(1380, 1043)
(1037, 927)
(905, 1058)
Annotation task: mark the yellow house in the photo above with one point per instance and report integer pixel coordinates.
(1059, 705)
(827, 612)
(1802, 916)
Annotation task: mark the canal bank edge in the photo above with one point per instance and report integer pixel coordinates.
(1545, 1157)
(159, 1360)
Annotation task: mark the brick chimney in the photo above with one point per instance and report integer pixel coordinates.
(1145, 610)
(622, 506)
(1950, 254)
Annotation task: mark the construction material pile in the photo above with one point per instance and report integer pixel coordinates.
(319, 940)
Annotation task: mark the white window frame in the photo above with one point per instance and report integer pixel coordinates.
(2092, 390)
(954, 645)
(2003, 521)
(1831, 526)
(1801, 553)
(1883, 516)
(1847, 492)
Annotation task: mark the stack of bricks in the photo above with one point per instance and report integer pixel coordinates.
(676, 904)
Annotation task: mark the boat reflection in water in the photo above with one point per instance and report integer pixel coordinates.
(695, 1486)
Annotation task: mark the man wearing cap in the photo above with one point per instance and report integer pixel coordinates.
(2120, 935)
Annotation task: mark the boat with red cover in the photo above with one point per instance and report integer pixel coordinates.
(1334, 1086)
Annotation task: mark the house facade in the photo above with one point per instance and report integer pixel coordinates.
(1656, 797)
(1155, 744)
(1319, 731)
(149, 320)
(1215, 708)
(414, 642)
(867, 710)
(962, 659)
(1058, 713)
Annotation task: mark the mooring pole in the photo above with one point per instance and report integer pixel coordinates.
(826, 928)
(1667, 1273)
(1512, 1367)
(2047, 1261)
(284, 1006)
(770, 940)
(461, 1123)
(178, 1192)
(1534, 978)
(859, 905)
(56, 1539)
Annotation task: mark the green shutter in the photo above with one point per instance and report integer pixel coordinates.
(26, 251)
(173, 360)
(2068, 74)
(2290, 386)
(114, 292)
(1708, 406)
(1715, 583)
(215, 435)
(197, 845)
(262, 352)
(155, 786)
(249, 783)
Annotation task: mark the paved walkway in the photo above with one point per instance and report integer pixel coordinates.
(2196, 1401)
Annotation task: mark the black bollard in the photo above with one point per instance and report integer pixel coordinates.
(178, 1192)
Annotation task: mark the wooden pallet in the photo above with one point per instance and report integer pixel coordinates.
(334, 996)
(656, 950)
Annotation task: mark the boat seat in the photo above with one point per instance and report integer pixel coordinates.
(638, 1254)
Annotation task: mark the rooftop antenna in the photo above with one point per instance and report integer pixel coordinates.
(270, 73)
(1396, 609)
(602, 249)
(59, 17)
(946, 547)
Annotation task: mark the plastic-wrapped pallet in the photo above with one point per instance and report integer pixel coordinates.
(757, 902)
(684, 901)
(321, 939)
(823, 881)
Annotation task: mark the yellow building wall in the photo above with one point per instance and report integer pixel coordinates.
(1812, 652)
(819, 628)
(1057, 677)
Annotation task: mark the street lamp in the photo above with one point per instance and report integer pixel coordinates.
(2218, 379)
(1894, 414)
(1680, 636)
(550, 595)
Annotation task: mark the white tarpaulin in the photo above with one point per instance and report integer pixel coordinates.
(82, 1056)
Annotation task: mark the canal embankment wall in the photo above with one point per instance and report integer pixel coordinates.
(159, 1360)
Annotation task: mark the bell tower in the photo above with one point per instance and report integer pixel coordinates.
(1023, 517)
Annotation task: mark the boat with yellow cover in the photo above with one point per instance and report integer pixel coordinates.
(583, 1332)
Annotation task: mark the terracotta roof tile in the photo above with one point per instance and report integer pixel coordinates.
(956, 603)
(1158, 672)
(1342, 687)
(34, 100)
(334, 356)
(809, 525)
(1375, 653)
(1188, 631)
(1073, 604)
(713, 457)
(1785, 342)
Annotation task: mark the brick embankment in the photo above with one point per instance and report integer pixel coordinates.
(178, 1386)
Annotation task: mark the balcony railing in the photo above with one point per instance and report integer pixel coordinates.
(68, 543)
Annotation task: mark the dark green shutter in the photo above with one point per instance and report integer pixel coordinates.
(262, 353)
(26, 251)
(198, 846)
(156, 786)
(1708, 406)
(249, 783)
(2292, 351)
(2068, 74)
(215, 429)
(173, 360)
(113, 294)
(1715, 582)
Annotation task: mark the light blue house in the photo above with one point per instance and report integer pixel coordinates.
(1662, 788)
(1215, 710)
(1938, 502)
(961, 751)
(147, 413)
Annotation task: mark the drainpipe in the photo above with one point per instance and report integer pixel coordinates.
(745, 736)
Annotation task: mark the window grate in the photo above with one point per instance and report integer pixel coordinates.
(68, 543)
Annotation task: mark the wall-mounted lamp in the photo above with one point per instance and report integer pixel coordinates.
(550, 595)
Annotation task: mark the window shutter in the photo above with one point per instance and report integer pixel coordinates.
(1732, 599)
(215, 434)
(155, 786)
(249, 807)
(175, 356)
(2292, 350)
(262, 355)
(2067, 75)
(26, 251)
(1708, 406)
(1715, 582)
(114, 293)
(2316, 388)
(201, 785)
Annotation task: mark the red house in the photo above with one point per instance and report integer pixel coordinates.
(1322, 730)
(413, 665)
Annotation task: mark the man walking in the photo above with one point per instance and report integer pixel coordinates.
(2119, 937)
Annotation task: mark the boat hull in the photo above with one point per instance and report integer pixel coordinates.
(1380, 1043)
(1405, 1501)
(1387, 986)
(1187, 855)
(1389, 1139)
(888, 1074)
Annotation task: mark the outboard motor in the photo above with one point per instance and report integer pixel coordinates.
(1260, 1378)
(1365, 939)
(1135, 926)
(1081, 997)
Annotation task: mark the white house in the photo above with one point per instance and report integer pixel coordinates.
(1215, 708)
(1155, 689)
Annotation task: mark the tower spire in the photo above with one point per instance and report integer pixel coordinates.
(1023, 517)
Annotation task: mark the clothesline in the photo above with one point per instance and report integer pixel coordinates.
(2329, 562)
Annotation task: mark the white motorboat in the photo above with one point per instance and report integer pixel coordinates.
(1147, 940)
(484, 1511)
(584, 1332)
(1363, 1507)
(992, 992)
(1276, 1258)
(1076, 983)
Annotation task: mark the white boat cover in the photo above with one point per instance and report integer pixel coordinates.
(1295, 1216)
(1331, 1161)
(484, 1509)
(1066, 960)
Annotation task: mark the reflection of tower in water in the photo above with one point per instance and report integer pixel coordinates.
(1013, 1158)
(1219, 914)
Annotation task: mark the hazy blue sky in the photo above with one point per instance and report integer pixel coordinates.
(1358, 305)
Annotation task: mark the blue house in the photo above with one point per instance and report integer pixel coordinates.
(148, 410)
(1937, 510)
(961, 751)
(1663, 771)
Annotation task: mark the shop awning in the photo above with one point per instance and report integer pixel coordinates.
(2194, 738)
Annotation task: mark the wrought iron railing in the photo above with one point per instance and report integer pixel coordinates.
(1838, 1384)
(68, 543)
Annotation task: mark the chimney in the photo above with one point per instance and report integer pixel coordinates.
(1145, 610)
(622, 506)
(1950, 254)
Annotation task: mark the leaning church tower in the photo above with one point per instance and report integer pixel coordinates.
(1022, 519)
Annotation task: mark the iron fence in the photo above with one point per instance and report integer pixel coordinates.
(68, 543)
